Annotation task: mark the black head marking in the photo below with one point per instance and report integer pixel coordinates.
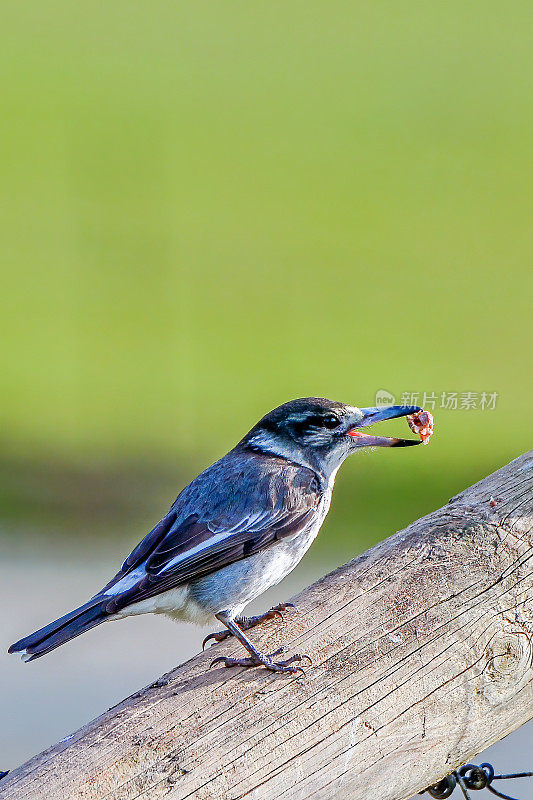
(300, 418)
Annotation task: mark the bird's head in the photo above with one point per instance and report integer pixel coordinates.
(321, 433)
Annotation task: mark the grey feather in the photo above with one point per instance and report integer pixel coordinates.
(234, 509)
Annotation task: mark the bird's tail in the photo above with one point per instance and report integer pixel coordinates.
(62, 630)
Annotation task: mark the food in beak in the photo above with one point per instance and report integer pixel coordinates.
(422, 423)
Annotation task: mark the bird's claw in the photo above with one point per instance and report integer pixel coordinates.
(250, 622)
(284, 607)
(268, 662)
(277, 611)
(218, 637)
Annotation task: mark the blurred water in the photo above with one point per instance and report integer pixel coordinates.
(46, 700)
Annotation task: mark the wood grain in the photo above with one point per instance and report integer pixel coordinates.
(422, 657)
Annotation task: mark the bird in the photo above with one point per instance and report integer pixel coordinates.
(236, 530)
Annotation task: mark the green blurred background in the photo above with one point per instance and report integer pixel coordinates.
(211, 208)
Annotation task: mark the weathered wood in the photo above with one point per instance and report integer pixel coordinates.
(422, 657)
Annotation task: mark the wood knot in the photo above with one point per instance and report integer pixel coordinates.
(509, 658)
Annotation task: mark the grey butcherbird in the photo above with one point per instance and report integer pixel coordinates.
(236, 530)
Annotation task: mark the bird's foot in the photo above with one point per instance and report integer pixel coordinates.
(289, 665)
(245, 623)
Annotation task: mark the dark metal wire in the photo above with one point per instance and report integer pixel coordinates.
(470, 777)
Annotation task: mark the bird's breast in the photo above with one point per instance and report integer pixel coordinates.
(234, 586)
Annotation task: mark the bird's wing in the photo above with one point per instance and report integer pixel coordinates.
(143, 550)
(180, 549)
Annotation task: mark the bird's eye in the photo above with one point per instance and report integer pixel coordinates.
(331, 421)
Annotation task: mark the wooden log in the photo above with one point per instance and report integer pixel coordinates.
(422, 657)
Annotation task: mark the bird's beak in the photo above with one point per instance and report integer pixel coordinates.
(371, 415)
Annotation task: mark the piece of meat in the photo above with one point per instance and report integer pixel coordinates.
(421, 423)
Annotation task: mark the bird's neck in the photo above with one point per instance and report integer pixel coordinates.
(324, 468)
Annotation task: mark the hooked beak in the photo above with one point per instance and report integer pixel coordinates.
(371, 415)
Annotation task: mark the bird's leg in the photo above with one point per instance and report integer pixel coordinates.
(256, 658)
(245, 623)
